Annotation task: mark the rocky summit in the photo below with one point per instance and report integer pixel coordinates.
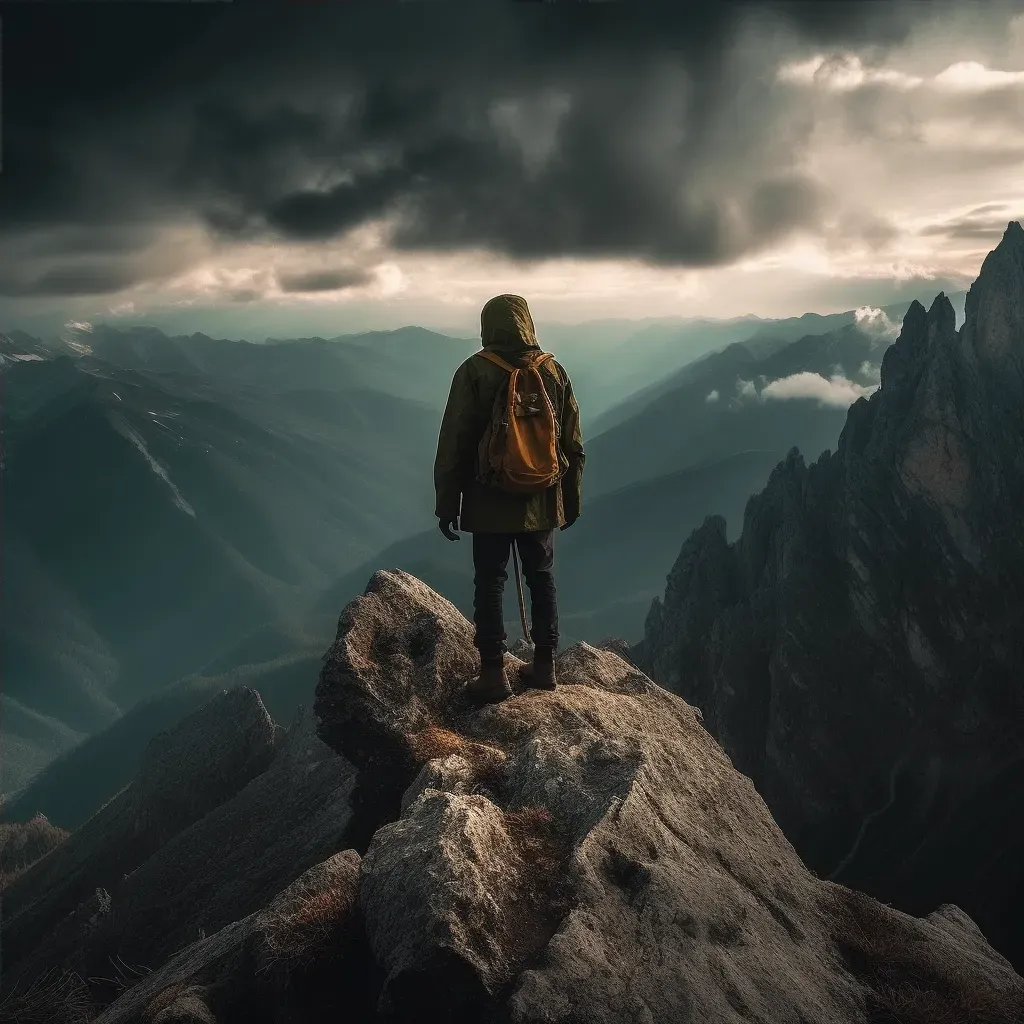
(859, 650)
(588, 854)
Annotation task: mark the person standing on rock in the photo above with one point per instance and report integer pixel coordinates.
(509, 470)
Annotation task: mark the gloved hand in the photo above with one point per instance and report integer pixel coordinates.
(569, 523)
(448, 528)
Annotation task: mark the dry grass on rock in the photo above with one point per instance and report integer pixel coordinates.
(541, 898)
(534, 836)
(178, 993)
(57, 997)
(22, 843)
(307, 935)
(316, 925)
(915, 981)
(488, 763)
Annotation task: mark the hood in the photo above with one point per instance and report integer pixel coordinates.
(506, 326)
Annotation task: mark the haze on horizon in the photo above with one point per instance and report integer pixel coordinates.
(248, 172)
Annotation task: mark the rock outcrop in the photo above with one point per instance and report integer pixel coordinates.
(859, 650)
(243, 971)
(591, 854)
(241, 854)
(186, 772)
(227, 810)
(583, 854)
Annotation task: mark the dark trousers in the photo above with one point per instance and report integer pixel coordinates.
(491, 553)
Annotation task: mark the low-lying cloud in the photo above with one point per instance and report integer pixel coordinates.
(746, 389)
(876, 323)
(837, 391)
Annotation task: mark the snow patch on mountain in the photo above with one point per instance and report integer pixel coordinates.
(126, 430)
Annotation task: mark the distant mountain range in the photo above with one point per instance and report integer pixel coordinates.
(617, 365)
(748, 395)
(181, 505)
(759, 338)
(609, 565)
(153, 518)
(411, 363)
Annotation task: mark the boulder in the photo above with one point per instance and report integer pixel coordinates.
(591, 854)
(244, 969)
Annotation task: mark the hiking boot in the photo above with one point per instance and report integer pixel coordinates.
(541, 674)
(491, 686)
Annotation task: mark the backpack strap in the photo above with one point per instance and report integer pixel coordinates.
(493, 357)
(497, 360)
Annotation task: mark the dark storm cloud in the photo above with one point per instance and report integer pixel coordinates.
(88, 279)
(302, 122)
(101, 238)
(323, 280)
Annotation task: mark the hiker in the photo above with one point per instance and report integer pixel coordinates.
(510, 480)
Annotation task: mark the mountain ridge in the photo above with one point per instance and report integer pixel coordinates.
(204, 510)
(894, 565)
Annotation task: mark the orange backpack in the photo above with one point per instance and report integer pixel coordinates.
(519, 451)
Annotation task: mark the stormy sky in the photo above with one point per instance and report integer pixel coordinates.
(250, 169)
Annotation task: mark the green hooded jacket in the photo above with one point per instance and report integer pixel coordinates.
(506, 328)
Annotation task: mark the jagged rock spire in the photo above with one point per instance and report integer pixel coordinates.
(867, 672)
(993, 332)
